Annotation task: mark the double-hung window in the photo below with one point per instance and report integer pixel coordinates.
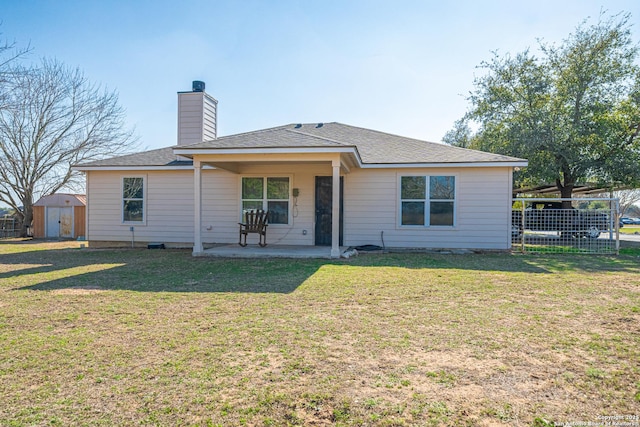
(267, 193)
(133, 199)
(427, 200)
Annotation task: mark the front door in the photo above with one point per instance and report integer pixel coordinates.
(324, 205)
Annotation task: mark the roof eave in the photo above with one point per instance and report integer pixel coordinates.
(261, 150)
(512, 164)
(491, 164)
(81, 168)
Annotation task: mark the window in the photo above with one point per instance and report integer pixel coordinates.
(133, 199)
(427, 200)
(268, 193)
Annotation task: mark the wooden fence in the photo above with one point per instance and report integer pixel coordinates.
(10, 227)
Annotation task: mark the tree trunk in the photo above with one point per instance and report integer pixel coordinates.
(566, 192)
(27, 218)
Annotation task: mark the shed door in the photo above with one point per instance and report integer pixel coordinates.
(53, 222)
(60, 222)
(66, 222)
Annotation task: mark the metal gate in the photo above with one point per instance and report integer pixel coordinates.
(590, 226)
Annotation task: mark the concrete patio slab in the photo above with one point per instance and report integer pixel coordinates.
(275, 251)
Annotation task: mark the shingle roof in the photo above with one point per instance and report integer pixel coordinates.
(159, 157)
(373, 147)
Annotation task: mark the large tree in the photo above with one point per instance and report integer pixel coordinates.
(573, 111)
(9, 53)
(52, 118)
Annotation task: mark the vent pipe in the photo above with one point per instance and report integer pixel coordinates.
(198, 86)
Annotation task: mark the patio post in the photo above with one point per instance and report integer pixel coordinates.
(335, 210)
(197, 207)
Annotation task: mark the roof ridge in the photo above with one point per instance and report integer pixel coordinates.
(477, 151)
(145, 151)
(324, 138)
(127, 155)
(239, 134)
(423, 141)
(271, 129)
(386, 133)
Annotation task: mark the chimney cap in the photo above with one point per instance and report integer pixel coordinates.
(198, 86)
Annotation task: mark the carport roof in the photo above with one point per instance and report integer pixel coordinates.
(578, 189)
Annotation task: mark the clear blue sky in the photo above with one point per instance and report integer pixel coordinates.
(397, 66)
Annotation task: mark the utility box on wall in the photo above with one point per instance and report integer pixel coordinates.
(59, 216)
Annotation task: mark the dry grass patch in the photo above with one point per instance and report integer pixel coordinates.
(104, 337)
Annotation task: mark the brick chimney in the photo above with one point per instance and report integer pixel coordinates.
(197, 115)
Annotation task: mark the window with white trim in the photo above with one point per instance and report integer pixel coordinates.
(427, 200)
(133, 199)
(269, 193)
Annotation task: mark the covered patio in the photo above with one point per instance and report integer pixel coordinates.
(337, 160)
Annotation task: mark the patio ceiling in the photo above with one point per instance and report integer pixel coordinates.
(235, 163)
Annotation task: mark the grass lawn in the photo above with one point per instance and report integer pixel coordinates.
(156, 337)
(630, 229)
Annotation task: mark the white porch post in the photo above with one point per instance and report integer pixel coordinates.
(197, 207)
(335, 210)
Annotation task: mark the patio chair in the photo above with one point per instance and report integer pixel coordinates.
(255, 222)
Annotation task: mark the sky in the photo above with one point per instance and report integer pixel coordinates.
(398, 66)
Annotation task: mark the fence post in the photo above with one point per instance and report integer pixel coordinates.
(617, 221)
(522, 226)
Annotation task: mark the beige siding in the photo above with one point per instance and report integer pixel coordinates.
(221, 204)
(370, 206)
(190, 114)
(482, 210)
(210, 118)
(196, 117)
(168, 206)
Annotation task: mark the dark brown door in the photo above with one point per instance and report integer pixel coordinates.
(324, 205)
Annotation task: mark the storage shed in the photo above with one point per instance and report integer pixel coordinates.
(59, 216)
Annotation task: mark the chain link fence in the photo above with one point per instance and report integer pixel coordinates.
(589, 226)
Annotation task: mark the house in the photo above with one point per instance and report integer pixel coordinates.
(326, 184)
(59, 216)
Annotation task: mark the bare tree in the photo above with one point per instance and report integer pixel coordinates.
(627, 198)
(53, 118)
(9, 53)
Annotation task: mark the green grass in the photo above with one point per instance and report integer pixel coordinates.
(157, 337)
(630, 229)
